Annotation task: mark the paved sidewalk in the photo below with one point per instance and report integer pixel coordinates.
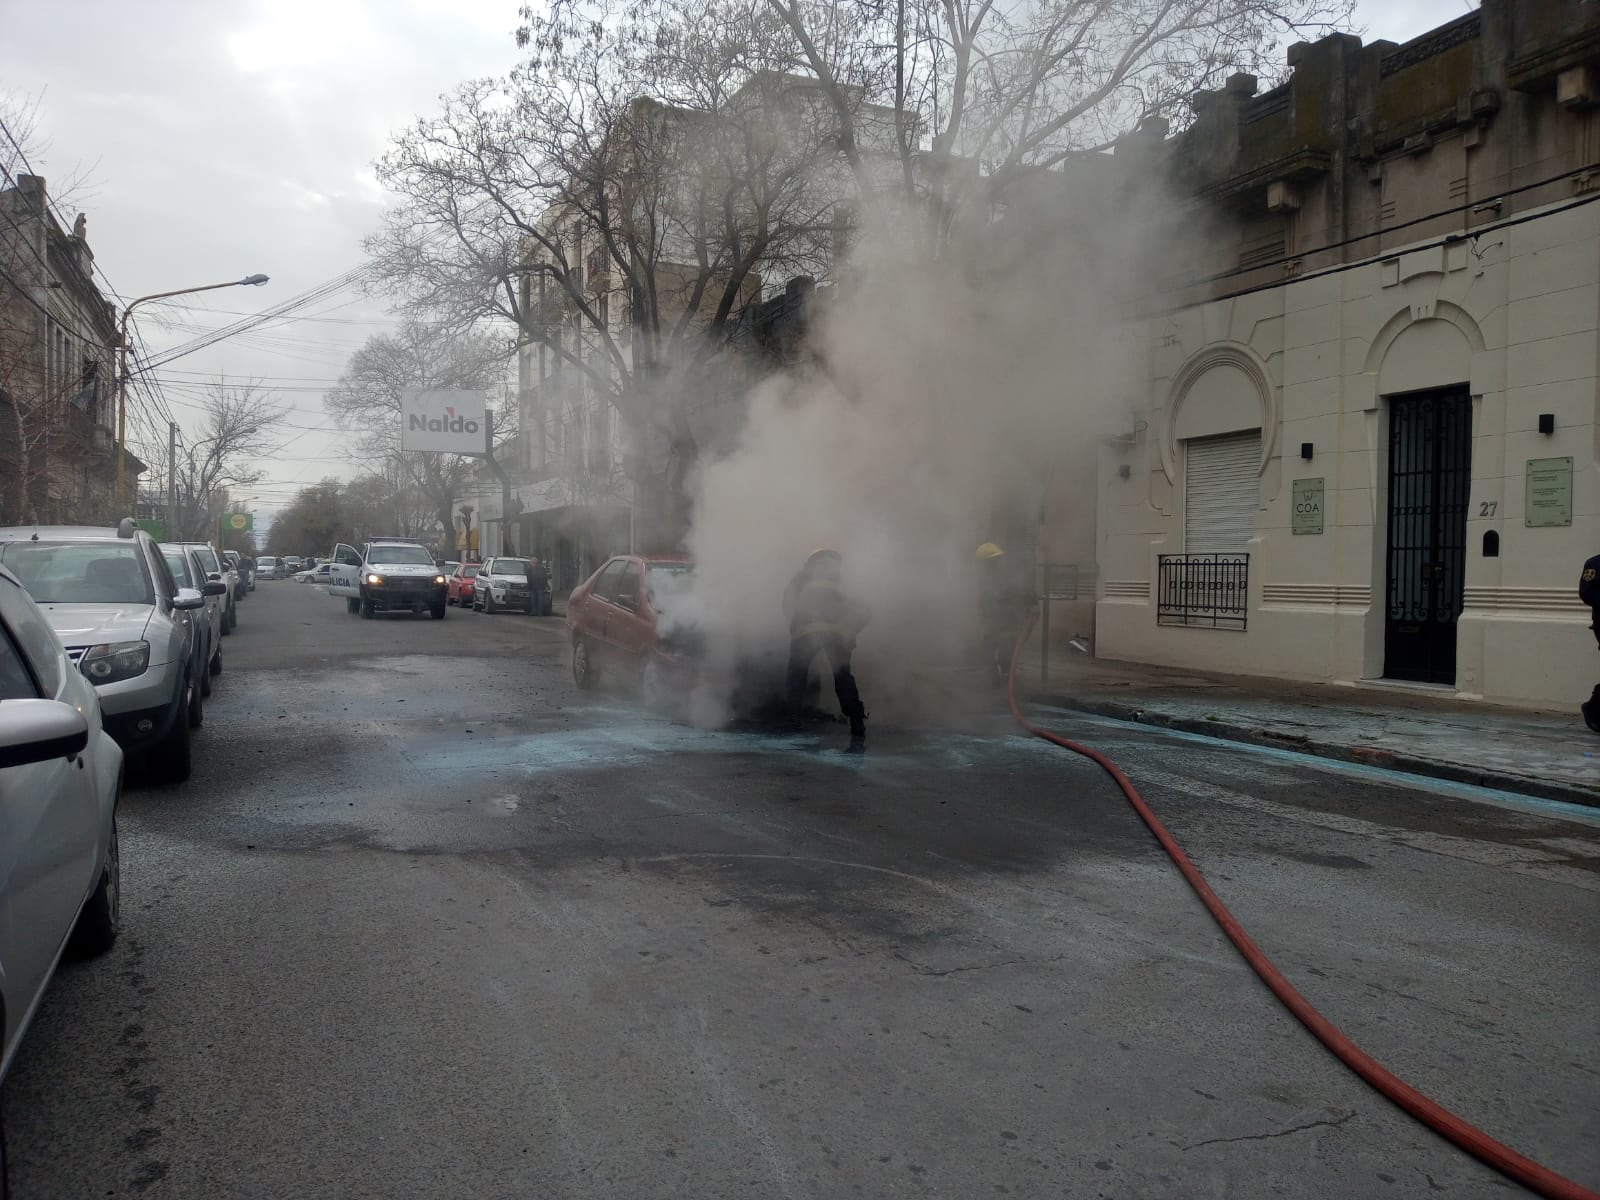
(1549, 754)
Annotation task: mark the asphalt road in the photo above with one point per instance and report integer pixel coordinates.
(428, 923)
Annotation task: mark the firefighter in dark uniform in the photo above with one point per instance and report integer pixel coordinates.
(824, 620)
(1589, 593)
(1005, 601)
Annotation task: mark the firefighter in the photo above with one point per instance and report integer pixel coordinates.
(1589, 593)
(824, 620)
(1004, 603)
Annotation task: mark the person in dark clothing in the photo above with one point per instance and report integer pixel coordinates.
(1589, 593)
(824, 620)
(1005, 600)
(539, 587)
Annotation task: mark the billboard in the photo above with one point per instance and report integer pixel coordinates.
(450, 420)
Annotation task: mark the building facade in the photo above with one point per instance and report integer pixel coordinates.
(1367, 445)
(58, 338)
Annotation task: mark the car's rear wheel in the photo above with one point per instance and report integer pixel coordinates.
(368, 610)
(352, 605)
(205, 680)
(216, 664)
(173, 759)
(101, 916)
(585, 671)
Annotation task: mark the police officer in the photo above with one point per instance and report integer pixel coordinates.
(824, 620)
(1589, 593)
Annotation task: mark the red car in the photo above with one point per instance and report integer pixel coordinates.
(614, 618)
(459, 587)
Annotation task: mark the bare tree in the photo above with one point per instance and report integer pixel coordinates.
(370, 393)
(619, 200)
(239, 425)
(1005, 88)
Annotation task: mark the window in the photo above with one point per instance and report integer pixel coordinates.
(344, 556)
(399, 555)
(35, 639)
(79, 573)
(179, 564)
(15, 682)
(1221, 492)
(166, 582)
(606, 584)
(628, 586)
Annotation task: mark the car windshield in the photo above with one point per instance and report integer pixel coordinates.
(400, 555)
(79, 572)
(178, 564)
(511, 566)
(472, 571)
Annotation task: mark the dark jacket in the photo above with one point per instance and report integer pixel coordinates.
(815, 603)
(1589, 591)
(1005, 595)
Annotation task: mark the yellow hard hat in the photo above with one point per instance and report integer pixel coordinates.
(820, 551)
(989, 550)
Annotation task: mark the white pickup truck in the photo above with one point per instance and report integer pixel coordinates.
(387, 575)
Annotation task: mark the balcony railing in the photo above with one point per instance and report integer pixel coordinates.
(1207, 590)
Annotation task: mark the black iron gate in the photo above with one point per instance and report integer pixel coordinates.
(1430, 475)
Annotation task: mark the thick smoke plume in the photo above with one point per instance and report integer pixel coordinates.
(955, 389)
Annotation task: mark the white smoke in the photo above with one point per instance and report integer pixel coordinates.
(956, 389)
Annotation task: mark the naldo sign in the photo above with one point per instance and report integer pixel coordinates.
(449, 420)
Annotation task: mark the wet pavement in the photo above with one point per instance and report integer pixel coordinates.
(428, 922)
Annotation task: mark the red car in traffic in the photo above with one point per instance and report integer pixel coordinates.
(462, 583)
(615, 619)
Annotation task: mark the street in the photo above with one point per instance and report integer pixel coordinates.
(428, 922)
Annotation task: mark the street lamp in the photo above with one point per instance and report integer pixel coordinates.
(122, 374)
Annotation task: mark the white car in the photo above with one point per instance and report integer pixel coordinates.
(60, 779)
(268, 567)
(318, 574)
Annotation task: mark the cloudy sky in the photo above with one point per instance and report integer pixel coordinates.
(226, 137)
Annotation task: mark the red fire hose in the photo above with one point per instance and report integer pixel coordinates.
(1474, 1141)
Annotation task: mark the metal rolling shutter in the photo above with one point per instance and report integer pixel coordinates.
(1221, 491)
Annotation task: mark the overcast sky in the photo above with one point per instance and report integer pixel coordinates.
(226, 137)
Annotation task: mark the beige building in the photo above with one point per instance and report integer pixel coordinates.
(58, 337)
(1366, 449)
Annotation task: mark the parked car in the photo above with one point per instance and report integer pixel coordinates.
(114, 604)
(461, 584)
(239, 578)
(615, 620)
(60, 777)
(502, 583)
(188, 571)
(388, 575)
(267, 567)
(322, 573)
(218, 571)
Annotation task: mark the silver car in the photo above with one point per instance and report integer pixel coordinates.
(217, 569)
(503, 583)
(127, 626)
(60, 777)
(189, 572)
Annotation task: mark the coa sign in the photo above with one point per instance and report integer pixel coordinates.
(1307, 494)
(449, 420)
(239, 522)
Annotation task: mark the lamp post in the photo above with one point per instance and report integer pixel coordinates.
(122, 372)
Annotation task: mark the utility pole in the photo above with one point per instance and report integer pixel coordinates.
(122, 368)
(172, 481)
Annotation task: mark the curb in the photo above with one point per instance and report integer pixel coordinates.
(1388, 760)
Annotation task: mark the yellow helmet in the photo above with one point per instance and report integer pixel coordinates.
(989, 550)
(821, 552)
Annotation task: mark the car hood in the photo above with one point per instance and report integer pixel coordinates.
(91, 624)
